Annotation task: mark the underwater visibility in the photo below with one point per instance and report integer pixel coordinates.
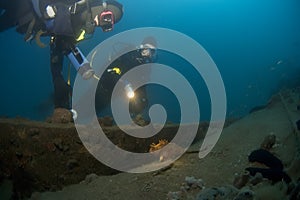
(119, 99)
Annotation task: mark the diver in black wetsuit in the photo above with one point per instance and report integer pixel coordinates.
(146, 53)
(66, 23)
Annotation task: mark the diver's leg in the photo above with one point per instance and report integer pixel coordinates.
(61, 89)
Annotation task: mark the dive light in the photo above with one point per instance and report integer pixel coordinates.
(129, 90)
(80, 63)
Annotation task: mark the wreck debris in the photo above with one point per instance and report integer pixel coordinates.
(241, 180)
(268, 142)
(61, 115)
(159, 145)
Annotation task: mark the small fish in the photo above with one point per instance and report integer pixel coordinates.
(279, 62)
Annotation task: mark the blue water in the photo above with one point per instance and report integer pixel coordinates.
(254, 43)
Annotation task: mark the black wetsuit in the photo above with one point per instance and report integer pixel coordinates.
(64, 28)
(13, 13)
(109, 79)
(20, 13)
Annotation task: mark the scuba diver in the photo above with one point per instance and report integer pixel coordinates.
(66, 23)
(138, 101)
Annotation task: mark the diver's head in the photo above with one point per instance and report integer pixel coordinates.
(106, 14)
(105, 20)
(147, 52)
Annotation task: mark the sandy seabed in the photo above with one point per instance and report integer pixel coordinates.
(213, 176)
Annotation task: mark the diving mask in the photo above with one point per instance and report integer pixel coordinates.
(147, 51)
(106, 20)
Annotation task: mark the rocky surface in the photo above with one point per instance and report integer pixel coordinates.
(49, 160)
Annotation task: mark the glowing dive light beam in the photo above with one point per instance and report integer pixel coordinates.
(129, 91)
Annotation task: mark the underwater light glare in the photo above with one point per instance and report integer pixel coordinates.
(83, 100)
(130, 95)
(129, 91)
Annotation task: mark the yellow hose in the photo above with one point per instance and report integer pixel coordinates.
(69, 74)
